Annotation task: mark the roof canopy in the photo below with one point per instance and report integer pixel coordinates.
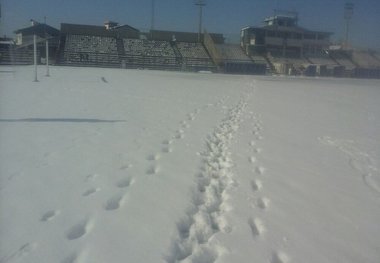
(40, 30)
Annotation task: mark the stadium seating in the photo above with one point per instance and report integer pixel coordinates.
(194, 56)
(12, 56)
(365, 60)
(192, 50)
(343, 59)
(376, 56)
(151, 54)
(321, 60)
(139, 47)
(232, 52)
(83, 43)
(90, 50)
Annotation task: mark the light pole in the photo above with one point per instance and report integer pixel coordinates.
(201, 4)
(47, 51)
(35, 56)
(152, 18)
(348, 13)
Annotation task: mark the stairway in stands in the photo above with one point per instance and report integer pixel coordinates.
(120, 47)
(61, 49)
(270, 63)
(177, 53)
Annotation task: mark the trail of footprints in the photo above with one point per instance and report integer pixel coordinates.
(167, 145)
(210, 200)
(83, 227)
(261, 203)
(256, 224)
(116, 201)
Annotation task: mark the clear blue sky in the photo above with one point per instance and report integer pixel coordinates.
(220, 16)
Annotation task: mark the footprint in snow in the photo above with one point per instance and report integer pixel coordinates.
(153, 157)
(279, 257)
(263, 203)
(115, 202)
(167, 149)
(24, 250)
(49, 215)
(257, 150)
(125, 182)
(79, 230)
(167, 142)
(259, 170)
(179, 136)
(257, 227)
(91, 177)
(125, 167)
(90, 191)
(256, 185)
(153, 170)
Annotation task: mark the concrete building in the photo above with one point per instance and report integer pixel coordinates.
(282, 36)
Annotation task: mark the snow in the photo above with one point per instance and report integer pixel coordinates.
(112, 165)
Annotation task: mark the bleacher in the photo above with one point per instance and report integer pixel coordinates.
(365, 60)
(151, 54)
(148, 48)
(376, 56)
(346, 63)
(232, 52)
(192, 50)
(343, 59)
(194, 56)
(290, 60)
(90, 50)
(12, 56)
(322, 61)
(235, 61)
(258, 59)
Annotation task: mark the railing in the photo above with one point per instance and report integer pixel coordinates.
(135, 61)
(95, 59)
(10, 56)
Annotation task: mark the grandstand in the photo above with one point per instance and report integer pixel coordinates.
(148, 48)
(192, 50)
(195, 56)
(9, 55)
(142, 53)
(280, 46)
(232, 52)
(365, 59)
(113, 46)
(285, 45)
(230, 58)
(376, 56)
(90, 51)
(182, 36)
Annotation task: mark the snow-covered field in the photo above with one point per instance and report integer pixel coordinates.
(111, 165)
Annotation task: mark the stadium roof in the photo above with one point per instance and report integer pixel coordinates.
(295, 29)
(75, 29)
(38, 29)
(183, 36)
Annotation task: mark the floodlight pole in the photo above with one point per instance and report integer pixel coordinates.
(201, 4)
(35, 57)
(47, 58)
(47, 51)
(348, 13)
(152, 18)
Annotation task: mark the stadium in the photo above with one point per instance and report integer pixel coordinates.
(279, 46)
(159, 145)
